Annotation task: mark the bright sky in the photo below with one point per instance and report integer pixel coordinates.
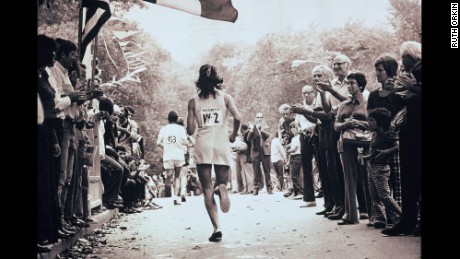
(187, 36)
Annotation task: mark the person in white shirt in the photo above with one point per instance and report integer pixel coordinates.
(309, 140)
(172, 137)
(278, 158)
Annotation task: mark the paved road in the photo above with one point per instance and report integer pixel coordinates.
(263, 226)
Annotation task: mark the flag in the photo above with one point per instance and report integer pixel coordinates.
(213, 9)
(97, 13)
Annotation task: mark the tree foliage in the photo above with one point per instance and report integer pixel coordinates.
(260, 77)
(407, 19)
(363, 46)
(58, 11)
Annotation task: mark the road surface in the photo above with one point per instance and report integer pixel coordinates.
(263, 226)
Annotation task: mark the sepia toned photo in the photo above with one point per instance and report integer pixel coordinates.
(229, 129)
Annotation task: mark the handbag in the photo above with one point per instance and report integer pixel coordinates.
(357, 137)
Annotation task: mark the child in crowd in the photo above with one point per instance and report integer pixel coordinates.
(295, 162)
(383, 144)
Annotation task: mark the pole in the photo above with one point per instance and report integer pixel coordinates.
(80, 27)
(93, 62)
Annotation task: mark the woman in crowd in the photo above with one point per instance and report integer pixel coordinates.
(352, 114)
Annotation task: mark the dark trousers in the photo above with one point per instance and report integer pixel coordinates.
(129, 193)
(325, 173)
(265, 160)
(362, 191)
(47, 200)
(279, 169)
(295, 165)
(411, 171)
(140, 189)
(73, 196)
(84, 194)
(111, 176)
(335, 169)
(308, 151)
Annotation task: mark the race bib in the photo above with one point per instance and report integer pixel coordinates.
(211, 117)
(171, 139)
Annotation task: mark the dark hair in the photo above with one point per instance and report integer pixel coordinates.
(244, 126)
(119, 148)
(45, 48)
(129, 158)
(172, 117)
(181, 121)
(360, 79)
(382, 116)
(208, 81)
(389, 64)
(80, 125)
(64, 46)
(106, 104)
(130, 109)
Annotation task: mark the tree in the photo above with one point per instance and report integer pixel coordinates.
(407, 19)
(51, 11)
(363, 45)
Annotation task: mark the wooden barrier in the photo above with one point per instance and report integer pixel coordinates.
(95, 188)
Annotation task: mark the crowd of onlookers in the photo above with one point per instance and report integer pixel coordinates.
(364, 146)
(77, 125)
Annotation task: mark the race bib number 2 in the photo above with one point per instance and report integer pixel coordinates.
(211, 117)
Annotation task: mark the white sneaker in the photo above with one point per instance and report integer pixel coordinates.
(308, 204)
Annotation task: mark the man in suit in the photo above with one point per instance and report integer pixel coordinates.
(260, 152)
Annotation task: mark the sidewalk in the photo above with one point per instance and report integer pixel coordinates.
(64, 244)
